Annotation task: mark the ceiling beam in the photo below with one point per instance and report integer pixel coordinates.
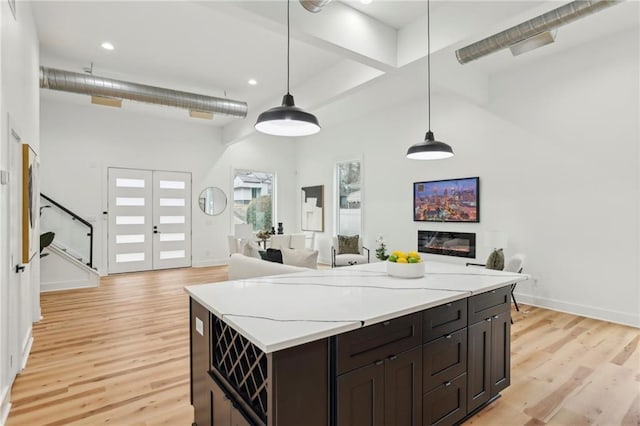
(338, 28)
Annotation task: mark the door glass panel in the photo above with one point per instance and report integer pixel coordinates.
(129, 183)
(129, 257)
(128, 239)
(172, 254)
(172, 184)
(172, 202)
(129, 220)
(125, 201)
(177, 236)
(171, 219)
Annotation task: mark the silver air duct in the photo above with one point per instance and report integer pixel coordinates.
(545, 22)
(314, 5)
(88, 84)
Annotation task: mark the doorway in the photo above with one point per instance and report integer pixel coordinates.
(149, 220)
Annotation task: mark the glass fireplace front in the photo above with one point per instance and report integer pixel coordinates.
(460, 244)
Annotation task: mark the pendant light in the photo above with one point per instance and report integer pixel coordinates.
(429, 149)
(287, 119)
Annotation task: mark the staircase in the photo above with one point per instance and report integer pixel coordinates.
(68, 262)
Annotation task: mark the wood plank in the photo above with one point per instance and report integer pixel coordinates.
(119, 354)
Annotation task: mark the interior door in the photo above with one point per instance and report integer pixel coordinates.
(15, 305)
(171, 220)
(130, 214)
(149, 220)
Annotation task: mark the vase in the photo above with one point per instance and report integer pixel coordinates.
(280, 228)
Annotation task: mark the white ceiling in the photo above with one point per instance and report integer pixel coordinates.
(214, 47)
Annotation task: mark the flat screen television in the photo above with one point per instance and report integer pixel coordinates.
(451, 200)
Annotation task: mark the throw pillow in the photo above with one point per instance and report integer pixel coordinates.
(496, 260)
(263, 254)
(273, 255)
(251, 249)
(304, 258)
(348, 244)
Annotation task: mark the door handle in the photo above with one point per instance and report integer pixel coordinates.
(20, 268)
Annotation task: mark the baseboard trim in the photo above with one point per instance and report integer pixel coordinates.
(617, 317)
(66, 285)
(210, 262)
(26, 350)
(5, 404)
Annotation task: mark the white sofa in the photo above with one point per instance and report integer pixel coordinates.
(242, 267)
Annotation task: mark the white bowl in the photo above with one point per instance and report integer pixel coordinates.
(405, 270)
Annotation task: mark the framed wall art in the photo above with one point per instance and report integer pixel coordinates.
(312, 208)
(30, 193)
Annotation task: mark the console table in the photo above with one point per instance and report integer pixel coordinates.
(350, 346)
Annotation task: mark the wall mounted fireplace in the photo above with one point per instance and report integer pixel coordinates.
(460, 244)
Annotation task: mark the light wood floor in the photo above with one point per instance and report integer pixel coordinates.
(119, 354)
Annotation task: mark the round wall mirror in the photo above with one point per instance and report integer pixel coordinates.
(212, 201)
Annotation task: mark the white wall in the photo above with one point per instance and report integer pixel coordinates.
(79, 143)
(557, 155)
(19, 100)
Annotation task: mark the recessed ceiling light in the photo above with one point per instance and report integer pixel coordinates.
(366, 1)
(252, 81)
(107, 46)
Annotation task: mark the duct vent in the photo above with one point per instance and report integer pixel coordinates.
(532, 28)
(68, 81)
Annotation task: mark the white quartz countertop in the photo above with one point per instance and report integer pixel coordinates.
(283, 311)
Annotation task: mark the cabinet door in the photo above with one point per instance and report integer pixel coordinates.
(446, 404)
(444, 359)
(500, 352)
(360, 396)
(479, 365)
(403, 389)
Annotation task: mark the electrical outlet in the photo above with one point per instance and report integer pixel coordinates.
(4, 177)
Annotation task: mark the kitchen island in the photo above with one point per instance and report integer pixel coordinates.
(350, 346)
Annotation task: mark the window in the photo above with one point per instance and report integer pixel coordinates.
(253, 199)
(349, 179)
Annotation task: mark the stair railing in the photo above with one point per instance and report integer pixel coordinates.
(71, 230)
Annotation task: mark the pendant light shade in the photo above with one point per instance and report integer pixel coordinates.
(429, 149)
(287, 119)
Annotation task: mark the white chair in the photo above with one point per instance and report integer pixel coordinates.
(279, 241)
(347, 259)
(298, 241)
(234, 244)
(515, 264)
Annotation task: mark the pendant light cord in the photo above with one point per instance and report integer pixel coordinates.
(288, 44)
(428, 64)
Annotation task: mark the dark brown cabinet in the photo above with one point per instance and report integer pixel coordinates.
(386, 392)
(489, 366)
(444, 364)
(434, 367)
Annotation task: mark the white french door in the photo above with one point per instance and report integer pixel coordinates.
(149, 220)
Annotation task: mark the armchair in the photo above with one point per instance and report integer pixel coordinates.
(342, 256)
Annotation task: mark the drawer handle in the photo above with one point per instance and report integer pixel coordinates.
(379, 362)
(447, 384)
(386, 323)
(448, 336)
(393, 357)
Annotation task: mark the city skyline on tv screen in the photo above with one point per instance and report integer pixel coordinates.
(453, 200)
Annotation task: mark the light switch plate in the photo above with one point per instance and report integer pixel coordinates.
(4, 177)
(199, 326)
